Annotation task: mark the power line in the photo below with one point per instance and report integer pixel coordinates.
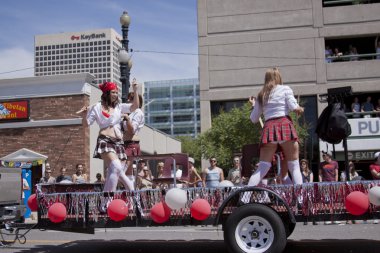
(192, 54)
(223, 55)
(12, 71)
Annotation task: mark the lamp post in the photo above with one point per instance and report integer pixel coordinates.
(124, 59)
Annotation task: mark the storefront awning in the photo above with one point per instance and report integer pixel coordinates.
(23, 155)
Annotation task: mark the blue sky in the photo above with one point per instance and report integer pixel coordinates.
(156, 25)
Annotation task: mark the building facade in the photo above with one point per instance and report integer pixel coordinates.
(38, 114)
(94, 52)
(50, 126)
(172, 106)
(239, 40)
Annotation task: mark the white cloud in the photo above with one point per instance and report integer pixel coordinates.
(16, 63)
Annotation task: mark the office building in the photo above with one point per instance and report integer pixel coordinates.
(239, 40)
(94, 52)
(173, 106)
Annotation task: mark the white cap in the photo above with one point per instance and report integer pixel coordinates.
(191, 160)
(376, 155)
(329, 153)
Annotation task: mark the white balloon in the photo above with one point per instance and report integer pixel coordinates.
(374, 195)
(176, 198)
(226, 183)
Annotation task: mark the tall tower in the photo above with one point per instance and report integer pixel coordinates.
(94, 52)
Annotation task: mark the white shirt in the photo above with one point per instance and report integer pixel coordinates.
(178, 173)
(25, 186)
(95, 114)
(137, 120)
(280, 102)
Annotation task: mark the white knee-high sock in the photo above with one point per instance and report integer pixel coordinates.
(113, 173)
(286, 180)
(259, 173)
(126, 181)
(295, 171)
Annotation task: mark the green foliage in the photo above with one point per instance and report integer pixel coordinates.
(192, 148)
(230, 131)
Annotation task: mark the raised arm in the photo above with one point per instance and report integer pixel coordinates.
(136, 99)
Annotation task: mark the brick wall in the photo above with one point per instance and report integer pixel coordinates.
(64, 145)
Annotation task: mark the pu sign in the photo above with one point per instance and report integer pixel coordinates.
(365, 127)
(14, 111)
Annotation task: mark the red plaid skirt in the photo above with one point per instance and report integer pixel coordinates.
(105, 144)
(132, 148)
(278, 129)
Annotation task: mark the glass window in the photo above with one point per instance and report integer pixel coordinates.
(350, 49)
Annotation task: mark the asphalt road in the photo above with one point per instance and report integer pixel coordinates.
(356, 238)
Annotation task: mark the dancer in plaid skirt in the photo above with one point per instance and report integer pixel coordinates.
(108, 114)
(275, 101)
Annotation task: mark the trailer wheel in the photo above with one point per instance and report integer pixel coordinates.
(254, 228)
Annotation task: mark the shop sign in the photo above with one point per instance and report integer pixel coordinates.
(365, 127)
(14, 111)
(357, 155)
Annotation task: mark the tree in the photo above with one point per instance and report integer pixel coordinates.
(192, 148)
(229, 132)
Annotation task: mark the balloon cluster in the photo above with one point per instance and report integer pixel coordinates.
(176, 199)
(56, 212)
(357, 202)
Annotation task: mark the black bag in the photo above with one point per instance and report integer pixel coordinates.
(332, 125)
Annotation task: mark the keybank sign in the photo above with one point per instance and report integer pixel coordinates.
(89, 36)
(365, 127)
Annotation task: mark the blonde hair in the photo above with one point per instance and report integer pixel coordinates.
(352, 168)
(272, 78)
(307, 169)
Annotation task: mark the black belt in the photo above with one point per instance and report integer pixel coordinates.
(131, 142)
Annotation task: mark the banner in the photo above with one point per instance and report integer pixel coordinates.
(23, 165)
(14, 111)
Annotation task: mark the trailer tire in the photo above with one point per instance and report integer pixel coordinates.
(254, 228)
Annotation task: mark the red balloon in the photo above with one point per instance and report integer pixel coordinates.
(160, 212)
(32, 202)
(357, 203)
(57, 212)
(117, 210)
(200, 209)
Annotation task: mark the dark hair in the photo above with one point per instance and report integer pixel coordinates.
(98, 175)
(106, 99)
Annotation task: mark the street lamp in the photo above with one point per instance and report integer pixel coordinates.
(124, 58)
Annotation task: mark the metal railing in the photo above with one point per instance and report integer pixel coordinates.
(371, 114)
(348, 57)
(348, 2)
